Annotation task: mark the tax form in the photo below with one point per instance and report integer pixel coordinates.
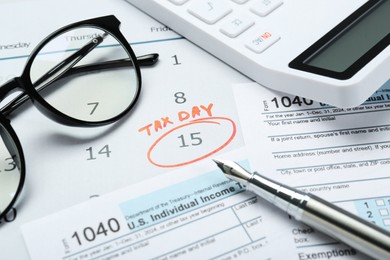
(340, 154)
(191, 213)
(305, 143)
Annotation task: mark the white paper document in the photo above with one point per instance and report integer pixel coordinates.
(340, 154)
(185, 114)
(192, 213)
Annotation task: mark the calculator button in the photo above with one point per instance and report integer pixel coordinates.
(178, 2)
(236, 25)
(265, 7)
(240, 1)
(262, 41)
(209, 11)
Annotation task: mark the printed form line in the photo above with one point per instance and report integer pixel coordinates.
(325, 107)
(326, 115)
(330, 147)
(333, 164)
(385, 127)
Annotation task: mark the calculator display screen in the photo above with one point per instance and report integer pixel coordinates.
(350, 45)
(355, 41)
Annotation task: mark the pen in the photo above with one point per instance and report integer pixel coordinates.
(314, 211)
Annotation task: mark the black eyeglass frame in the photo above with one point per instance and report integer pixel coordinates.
(19, 162)
(109, 24)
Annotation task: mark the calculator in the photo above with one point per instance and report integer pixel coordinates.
(331, 51)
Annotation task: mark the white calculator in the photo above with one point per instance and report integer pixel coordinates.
(332, 51)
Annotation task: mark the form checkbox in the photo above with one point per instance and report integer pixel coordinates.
(386, 221)
(383, 212)
(380, 202)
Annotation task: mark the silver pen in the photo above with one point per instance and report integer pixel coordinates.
(314, 211)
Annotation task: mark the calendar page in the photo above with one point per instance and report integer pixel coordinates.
(185, 114)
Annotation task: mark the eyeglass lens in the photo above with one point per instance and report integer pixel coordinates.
(65, 74)
(10, 174)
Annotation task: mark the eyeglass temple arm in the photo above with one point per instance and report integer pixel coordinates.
(143, 61)
(65, 65)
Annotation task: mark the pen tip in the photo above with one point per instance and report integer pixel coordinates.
(233, 171)
(219, 164)
(216, 161)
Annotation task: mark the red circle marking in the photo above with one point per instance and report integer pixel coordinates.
(197, 121)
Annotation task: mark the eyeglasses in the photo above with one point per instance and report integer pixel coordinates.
(74, 79)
